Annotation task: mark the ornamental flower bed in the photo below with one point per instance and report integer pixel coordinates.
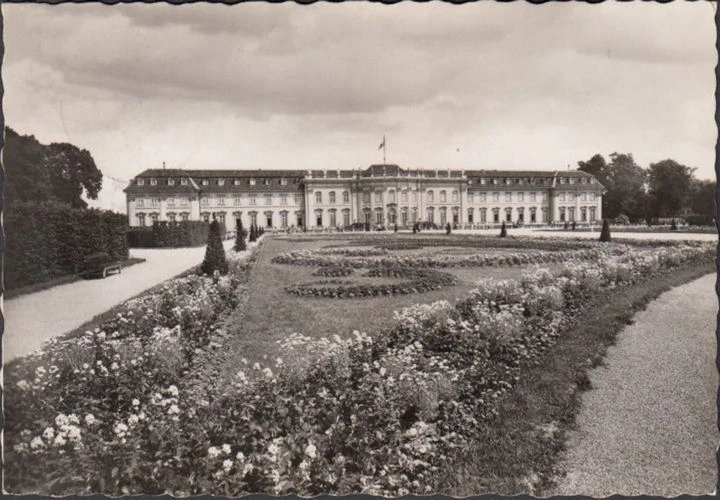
(414, 281)
(333, 271)
(375, 415)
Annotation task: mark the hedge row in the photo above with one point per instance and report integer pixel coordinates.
(170, 235)
(44, 242)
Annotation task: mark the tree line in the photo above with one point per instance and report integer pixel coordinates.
(666, 189)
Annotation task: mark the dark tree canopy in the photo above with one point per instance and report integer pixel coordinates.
(55, 172)
(669, 184)
(625, 183)
(702, 197)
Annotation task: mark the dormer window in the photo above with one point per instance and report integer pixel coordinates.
(171, 182)
(252, 181)
(283, 181)
(205, 182)
(221, 182)
(141, 182)
(183, 181)
(266, 181)
(153, 181)
(236, 182)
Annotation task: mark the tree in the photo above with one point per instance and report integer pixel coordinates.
(625, 182)
(58, 172)
(240, 244)
(605, 232)
(253, 233)
(669, 184)
(503, 230)
(702, 197)
(72, 171)
(215, 252)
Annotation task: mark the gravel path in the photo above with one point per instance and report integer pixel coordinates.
(32, 319)
(649, 425)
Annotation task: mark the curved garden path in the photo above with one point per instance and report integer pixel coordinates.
(32, 319)
(649, 424)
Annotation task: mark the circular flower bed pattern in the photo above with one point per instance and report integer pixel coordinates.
(413, 281)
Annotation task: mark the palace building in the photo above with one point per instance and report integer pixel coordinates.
(380, 195)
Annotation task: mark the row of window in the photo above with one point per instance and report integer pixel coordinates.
(145, 219)
(430, 196)
(252, 199)
(154, 201)
(219, 182)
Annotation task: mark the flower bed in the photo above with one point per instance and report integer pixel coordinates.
(415, 281)
(333, 271)
(377, 415)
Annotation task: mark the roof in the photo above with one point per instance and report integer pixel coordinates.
(227, 173)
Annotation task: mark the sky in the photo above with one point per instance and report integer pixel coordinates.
(484, 85)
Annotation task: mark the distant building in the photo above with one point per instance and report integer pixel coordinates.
(381, 195)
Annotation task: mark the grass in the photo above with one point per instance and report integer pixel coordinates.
(271, 313)
(519, 449)
(61, 280)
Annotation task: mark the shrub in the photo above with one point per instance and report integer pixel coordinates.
(215, 253)
(503, 230)
(605, 232)
(46, 241)
(170, 235)
(240, 234)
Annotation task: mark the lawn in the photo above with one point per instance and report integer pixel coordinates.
(272, 313)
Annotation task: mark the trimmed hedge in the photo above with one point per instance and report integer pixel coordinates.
(171, 235)
(43, 242)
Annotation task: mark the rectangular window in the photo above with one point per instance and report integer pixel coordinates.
(221, 200)
(268, 219)
(268, 199)
(483, 197)
(346, 217)
(153, 182)
(205, 182)
(521, 197)
(183, 182)
(562, 197)
(171, 201)
(253, 199)
(378, 196)
(508, 196)
(140, 202)
(471, 197)
(154, 201)
(283, 182)
(204, 201)
(366, 197)
(236, 182)
(404, 196)
(171, 182)
(592, 196)
(140, 182)
(414, 195)
(221, 182)
(237, 199)
(455, 196)
(298, 198)
(283, 199)
(443, 197)
(252, 181)
(571, 196)
(284, 219)
(379, 217)
(533, 196)
(496, 196)
(583, 196)
(333, 220)
(332, 200)
(346, 197)
(431, 196)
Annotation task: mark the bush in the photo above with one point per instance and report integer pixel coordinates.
(47, 241)
(605, 233)
(503, 230)
(170, 235)
(240, 234)
(700, 220)
(215, 253)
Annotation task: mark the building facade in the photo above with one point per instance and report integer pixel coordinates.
(381, 196)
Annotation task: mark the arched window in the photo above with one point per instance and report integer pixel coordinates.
(455, 195)
(430, 195)
(332, 198)
(443, 196)
(318, 197)
(346, 198)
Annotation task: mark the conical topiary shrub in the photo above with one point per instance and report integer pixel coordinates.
(503, 230)
(240, 244)
(215, 253)
(605, 232)
(673, 225)
(253, 233)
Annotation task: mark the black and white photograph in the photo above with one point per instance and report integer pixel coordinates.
(418, 248)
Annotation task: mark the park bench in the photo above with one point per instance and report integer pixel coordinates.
(100, 265)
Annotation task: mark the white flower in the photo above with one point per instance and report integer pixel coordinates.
(256, 366)
(311, 451)
(36, 443)
(73, 418)
(240, 456)
(61, 420)
(226, 449)
(135, 402)
(101, 336)
(173, 410)
(73, 433)
(114, 366)
(59, 440)
(133, 419)
(173, 391)
(121, 429)
(49, 433)
(22, 385)
(89, 419)
(227, 465)
(213, 452)
(267, 372)
(247, 469)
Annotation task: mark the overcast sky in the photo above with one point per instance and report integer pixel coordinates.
(483, 85)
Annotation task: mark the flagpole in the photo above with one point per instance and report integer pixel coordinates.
(384, 149)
